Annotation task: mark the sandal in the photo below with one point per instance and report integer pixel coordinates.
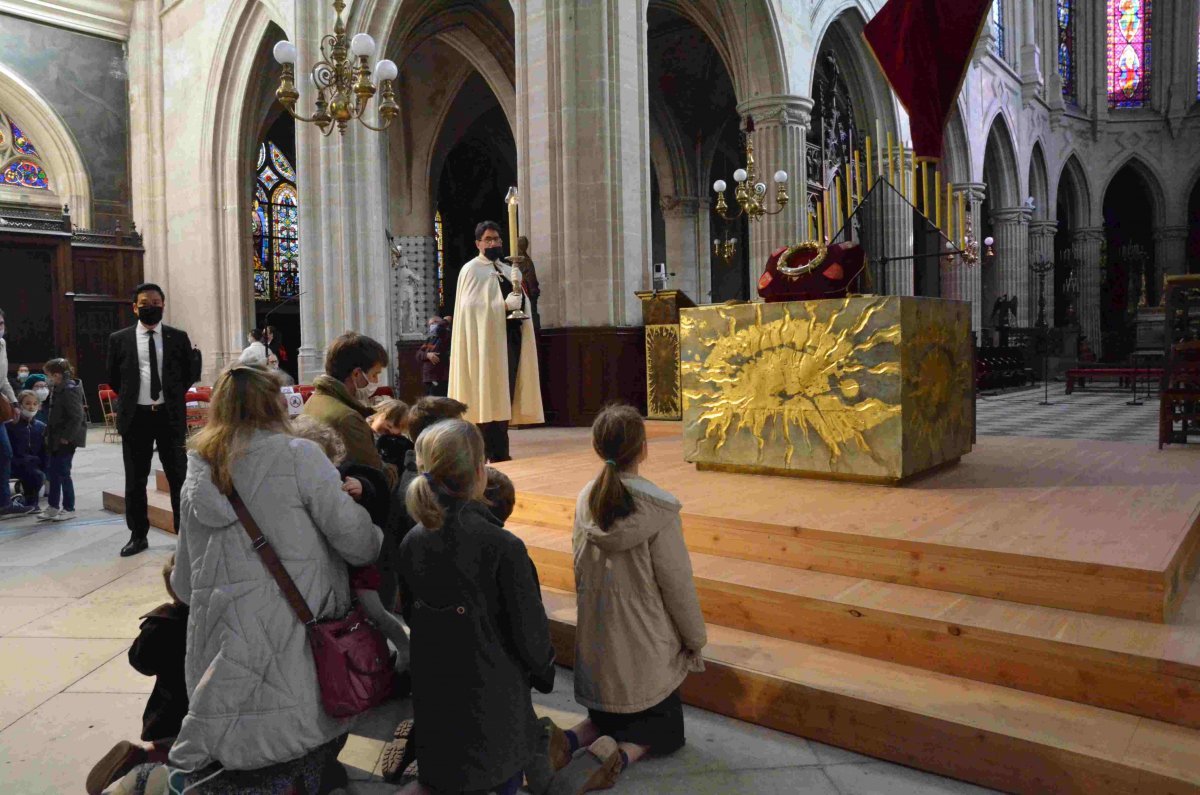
(399, 753)
(597, 767)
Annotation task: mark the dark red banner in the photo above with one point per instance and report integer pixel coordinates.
(924, 47)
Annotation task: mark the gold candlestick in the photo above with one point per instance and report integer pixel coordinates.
(513, 229)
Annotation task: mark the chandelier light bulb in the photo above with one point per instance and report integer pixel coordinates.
(285, 52)
(385, 70)
(739, 175)
(987, 241)
(781, 177)
(362, 45)
(719, 186)
(716, 242)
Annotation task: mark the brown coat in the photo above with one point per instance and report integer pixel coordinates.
(332, 404)
(640, 630)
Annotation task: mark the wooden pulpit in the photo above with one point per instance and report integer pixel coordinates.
(660, 315)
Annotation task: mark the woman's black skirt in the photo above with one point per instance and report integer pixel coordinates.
(660, 727)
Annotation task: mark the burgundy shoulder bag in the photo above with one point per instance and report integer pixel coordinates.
(354, 667)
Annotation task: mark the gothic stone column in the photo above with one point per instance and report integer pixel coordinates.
(583, 156)
(686, 252)
(1011, 226)
(781, 130)
(1041, 248)
(1086, 244)
(962, 282)
(1170, 255)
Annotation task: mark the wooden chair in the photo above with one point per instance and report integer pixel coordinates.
(1179, 399)
(107, 396)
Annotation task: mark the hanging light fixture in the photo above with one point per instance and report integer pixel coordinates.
(343, 78)
(750, 193)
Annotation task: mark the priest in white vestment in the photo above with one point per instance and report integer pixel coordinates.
(493, 360)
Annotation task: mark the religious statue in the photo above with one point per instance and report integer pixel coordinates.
(410, 283)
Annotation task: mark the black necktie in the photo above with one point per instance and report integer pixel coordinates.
(155, 380)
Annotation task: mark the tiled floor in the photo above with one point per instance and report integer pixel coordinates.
(1104, 416)
(69, 608)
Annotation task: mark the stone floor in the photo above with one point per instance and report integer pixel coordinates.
(69, 609)
(1100, 414)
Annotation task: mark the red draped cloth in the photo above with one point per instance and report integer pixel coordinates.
(924, 47)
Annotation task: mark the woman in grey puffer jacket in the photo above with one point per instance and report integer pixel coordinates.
(254, 698)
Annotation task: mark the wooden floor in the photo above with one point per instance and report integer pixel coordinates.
(1101, 527)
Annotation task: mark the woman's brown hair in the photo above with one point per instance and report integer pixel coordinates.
(245, 399)
(450, 460)
(618, 437)
(59, 366)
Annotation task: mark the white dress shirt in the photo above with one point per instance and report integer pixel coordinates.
(143, 349)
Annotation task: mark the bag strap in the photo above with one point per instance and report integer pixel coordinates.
(274, 565)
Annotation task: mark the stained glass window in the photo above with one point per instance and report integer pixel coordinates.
(1066, 49)
(998, 27)
(20, 163)
(441, 264)
(1128, 53)
(275, 226)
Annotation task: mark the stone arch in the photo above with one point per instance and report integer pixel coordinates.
(1073, 194)
(1153, 183)
(1038, 182)
(236, 103)
(956, 151)
(747, 37)
(843, 35)
(58, 150)
(1000, 170)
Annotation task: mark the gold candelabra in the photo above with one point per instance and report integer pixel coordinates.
(751, 194)
(724, 250)
(343, 79)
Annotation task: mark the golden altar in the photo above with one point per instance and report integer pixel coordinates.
(871, 388)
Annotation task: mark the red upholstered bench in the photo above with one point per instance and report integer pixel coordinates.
(1121, 374)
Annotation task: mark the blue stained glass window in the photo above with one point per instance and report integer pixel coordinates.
(1066, 49)
(276, 227)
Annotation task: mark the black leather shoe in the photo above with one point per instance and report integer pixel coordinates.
(134, 546)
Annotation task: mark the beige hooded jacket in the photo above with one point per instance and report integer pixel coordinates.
(640, 630)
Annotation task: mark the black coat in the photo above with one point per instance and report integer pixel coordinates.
(480, 639)
(159, 651)
(180, 369)
(66, 425)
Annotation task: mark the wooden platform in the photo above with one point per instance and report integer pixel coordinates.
(1100, 527)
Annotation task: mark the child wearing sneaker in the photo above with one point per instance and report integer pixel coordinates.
(66, 431)
(26, 436)
(640, 630)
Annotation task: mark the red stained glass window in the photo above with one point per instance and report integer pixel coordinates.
(1128, 53)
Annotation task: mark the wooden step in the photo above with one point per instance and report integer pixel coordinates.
(983, 733)
(1099, 527)
(158, 507)
(1129, 666)
(160, 481)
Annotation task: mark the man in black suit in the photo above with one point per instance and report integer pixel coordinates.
(151, 366)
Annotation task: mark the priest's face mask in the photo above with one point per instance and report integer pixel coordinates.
(490, 244)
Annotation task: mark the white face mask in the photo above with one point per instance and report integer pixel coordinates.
(28, 414)
(365, 393)
(22, 374)
(42, 393)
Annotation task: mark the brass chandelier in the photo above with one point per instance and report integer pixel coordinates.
(343, 78)
(750, 193)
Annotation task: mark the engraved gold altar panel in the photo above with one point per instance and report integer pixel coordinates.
(662, 372)
(874, 388)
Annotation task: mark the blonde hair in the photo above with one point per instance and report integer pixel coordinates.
(245, 399)
(449, 458)
(392, 411)
(167, 569)
(618, 437)
(306, 427)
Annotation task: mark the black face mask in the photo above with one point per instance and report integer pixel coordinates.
(493, 252)
(150, 315)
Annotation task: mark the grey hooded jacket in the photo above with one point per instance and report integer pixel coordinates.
(640, 629)
(254, 698)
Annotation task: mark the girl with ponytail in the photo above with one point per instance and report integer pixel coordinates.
(639, 631)
(479, 632)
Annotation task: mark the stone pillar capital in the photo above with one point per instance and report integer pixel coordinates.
(1165, 234)
(778, 110)
(976, 191)
(1012, 215)
(683, 206)
(1043, 228)
(1086, 234)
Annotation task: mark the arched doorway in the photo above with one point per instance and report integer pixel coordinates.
(695, 140)
(1005, 272)
(1071, 213)
(1128, 259)
(276, 248)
